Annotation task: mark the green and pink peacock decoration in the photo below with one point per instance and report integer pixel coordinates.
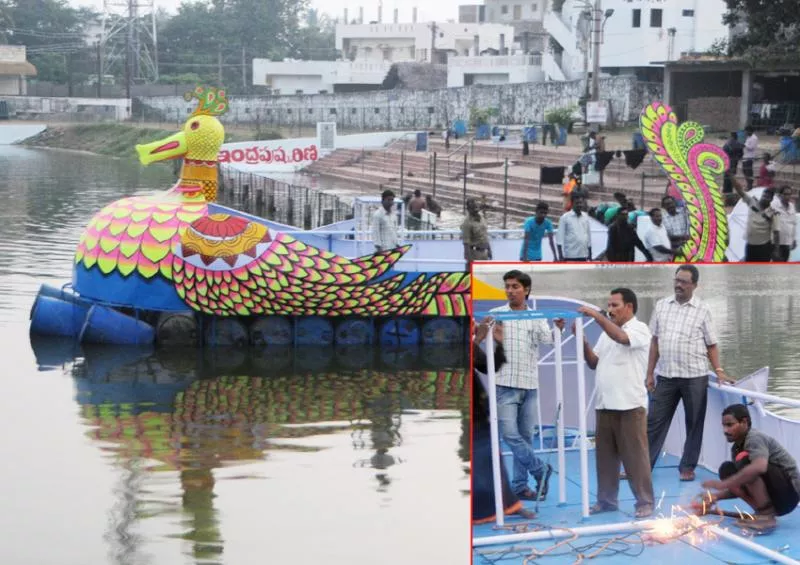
(692, 167)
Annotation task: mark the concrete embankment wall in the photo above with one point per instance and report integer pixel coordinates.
(421, 109)
(14, 133)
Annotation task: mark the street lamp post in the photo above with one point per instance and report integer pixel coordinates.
(596, 25)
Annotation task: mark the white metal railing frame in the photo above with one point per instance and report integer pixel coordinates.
(493, 421)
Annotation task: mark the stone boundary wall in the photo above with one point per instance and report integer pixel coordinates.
(417, 109)
(718, 113)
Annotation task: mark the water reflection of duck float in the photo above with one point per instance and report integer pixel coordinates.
(223, 263)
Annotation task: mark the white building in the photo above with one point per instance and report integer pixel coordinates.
(510, 41)
(14, 70)
(638, 35)
(369, 50)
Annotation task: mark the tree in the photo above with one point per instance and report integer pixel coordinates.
(204, 34)
(54, 34)
(772, 28)
(316, 39)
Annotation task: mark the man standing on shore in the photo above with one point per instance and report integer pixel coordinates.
(683, 343)
(536, 227)
(384, 224)
(475, 235)
(574, 231)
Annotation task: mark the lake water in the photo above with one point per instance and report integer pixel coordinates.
(128, 456)
(755, 309)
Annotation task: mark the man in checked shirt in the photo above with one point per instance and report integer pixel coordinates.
(518, 387)
(683, 343)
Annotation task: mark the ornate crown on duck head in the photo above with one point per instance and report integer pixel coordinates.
(211, 101)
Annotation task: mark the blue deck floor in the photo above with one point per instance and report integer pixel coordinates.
(785, 539)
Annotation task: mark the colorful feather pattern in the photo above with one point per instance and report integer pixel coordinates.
(291, 278)
(692, 167)
(136, 234)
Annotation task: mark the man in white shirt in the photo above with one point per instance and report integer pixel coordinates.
(518, 387)
(657, 239)
(574, 237)
(787, 223)
(619, 360)
(384, 224)
(683, 343)
(750, 151)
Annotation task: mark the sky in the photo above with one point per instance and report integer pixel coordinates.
(441, 10)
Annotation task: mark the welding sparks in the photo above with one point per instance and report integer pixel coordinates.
(680, 524)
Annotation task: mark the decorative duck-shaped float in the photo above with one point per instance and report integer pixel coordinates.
(178, 261)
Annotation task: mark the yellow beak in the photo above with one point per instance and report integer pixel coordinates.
(171, 147)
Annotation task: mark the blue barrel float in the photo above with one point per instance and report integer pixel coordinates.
(107, 325)
(226, 332)
(355, 331)
(313, 330)
(399, 331)
(55, 317)
(272, 331)
(440, 331)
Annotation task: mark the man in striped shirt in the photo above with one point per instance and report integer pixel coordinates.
(518, 387)
(683, 343)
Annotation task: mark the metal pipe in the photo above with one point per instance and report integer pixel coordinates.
(562, 455)
(465, 182)
(402, 163)
(494, 431)
(598, 13)
(752, 546)
(433, 178)
(584, 443)
(753, 394)
(505, 195)
(542, 535)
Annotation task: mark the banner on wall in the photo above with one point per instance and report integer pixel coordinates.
(326, 136)
(597, 112)
(289, 155)
(422, 141)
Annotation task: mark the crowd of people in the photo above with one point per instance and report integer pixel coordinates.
(771, 232)
(642, 373)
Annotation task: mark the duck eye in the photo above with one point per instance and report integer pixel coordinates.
(195, 125)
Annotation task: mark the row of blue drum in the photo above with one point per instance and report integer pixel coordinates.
(60, 312)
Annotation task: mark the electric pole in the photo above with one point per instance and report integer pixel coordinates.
(99, 70)
(244, 70)
(596, 30)
(434, 29)
(129, 48)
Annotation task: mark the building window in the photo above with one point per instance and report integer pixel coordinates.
(655, 17)
(637, 17)
(299, 91)
(269, 111)
(431, 110)
(332, 111)
(377, 110)
(503, 9)
(688, 13)
(288, 110)
(534, 7)
(517, 12)
(310, 110)
(353, 110)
